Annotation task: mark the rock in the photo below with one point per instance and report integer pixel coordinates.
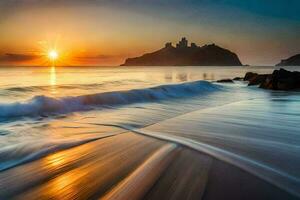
(254, 78)
(278, 80)
(292, 61)
(238, 79)
(184, 55)
(225, 81)
(249, 75)
(258, 79)
(282, 80)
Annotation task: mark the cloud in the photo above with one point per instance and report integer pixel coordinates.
(99, 57)
(13, 57)
(102, 59)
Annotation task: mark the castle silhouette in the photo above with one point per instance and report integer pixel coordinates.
(183, 43)
(184, 55)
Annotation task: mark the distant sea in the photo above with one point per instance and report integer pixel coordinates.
(47, 109)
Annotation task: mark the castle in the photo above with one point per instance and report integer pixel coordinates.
(183, 43)
(185, 54)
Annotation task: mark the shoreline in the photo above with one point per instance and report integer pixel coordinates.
(100, 168)
(188, 140)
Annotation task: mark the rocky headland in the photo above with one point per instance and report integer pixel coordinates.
(185, 55)
(292, 61)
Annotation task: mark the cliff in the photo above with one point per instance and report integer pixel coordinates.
(292, 61)
(184, 55)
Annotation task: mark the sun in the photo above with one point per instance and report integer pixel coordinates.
(53, 55)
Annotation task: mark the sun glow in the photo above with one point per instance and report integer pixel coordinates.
(53, 55)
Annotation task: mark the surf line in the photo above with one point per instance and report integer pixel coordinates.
(278, 178)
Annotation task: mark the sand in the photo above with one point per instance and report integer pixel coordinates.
(132, 166)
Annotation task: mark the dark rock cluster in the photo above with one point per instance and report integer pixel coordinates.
(278, 80)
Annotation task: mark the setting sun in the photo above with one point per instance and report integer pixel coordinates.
(53, 55)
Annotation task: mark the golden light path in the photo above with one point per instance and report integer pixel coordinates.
(53, 76)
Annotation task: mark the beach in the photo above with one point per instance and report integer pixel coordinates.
(130, 166)
(149, 133)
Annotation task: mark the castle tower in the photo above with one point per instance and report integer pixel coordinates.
(168, 45)
(183, 43)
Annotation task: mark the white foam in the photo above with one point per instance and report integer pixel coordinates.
(40, 105)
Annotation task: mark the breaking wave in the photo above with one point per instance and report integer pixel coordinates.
(43, 105)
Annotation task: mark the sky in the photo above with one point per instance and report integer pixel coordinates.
(106, 32)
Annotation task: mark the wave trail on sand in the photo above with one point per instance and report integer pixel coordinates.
(274, 176)
(13, 156)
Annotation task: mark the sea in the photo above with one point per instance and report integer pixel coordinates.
(48, 109)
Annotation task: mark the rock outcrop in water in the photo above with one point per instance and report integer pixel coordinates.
(254, 78)
(184, 55)
(225, 81)
(278, 80)
(292, 61)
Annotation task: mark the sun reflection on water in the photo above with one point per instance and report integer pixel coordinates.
(53, 80)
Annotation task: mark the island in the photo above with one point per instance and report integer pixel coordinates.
(185, 55)
(292, 61)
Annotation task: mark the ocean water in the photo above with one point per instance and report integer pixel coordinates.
(43, 110)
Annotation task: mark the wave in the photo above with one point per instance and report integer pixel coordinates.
(25, 89)
(43, 105)
(47, 87)
(12, 156)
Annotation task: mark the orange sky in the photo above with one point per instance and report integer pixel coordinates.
(106, 33)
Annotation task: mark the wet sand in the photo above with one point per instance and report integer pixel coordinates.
(132, 166)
